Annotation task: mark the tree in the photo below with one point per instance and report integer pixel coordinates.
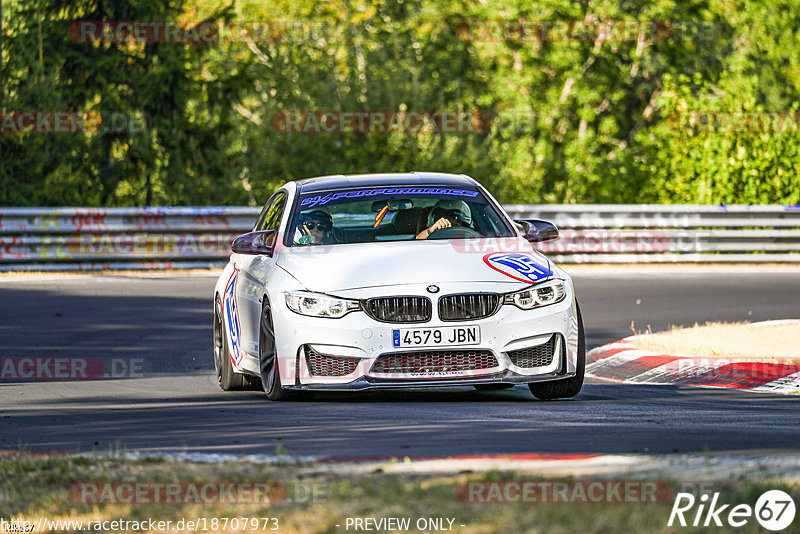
(172, 113)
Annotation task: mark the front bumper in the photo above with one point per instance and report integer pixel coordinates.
(361, 340)
(369, 383)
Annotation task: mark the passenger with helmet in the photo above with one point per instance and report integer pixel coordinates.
(447, 214)
(315, 227)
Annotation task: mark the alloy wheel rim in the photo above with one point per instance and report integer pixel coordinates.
(266, 349)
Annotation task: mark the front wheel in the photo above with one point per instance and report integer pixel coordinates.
(567, 387)
(268, 358)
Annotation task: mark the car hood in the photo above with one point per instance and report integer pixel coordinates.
(330, 268)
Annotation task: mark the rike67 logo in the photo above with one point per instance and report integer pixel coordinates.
(774, 510)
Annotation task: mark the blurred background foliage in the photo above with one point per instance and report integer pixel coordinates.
(572, 120)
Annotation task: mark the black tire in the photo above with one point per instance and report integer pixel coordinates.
(227, 378)
(567, 387)
(267, 358)
(493, 387)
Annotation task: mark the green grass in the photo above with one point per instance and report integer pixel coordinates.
(33, 487)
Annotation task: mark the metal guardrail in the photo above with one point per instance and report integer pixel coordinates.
(119, 238)
(192, 237)
(659, 233)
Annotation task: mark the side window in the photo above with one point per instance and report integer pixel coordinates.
(261, 215)
(270, 218)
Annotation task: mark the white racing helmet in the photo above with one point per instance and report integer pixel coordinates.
(455, 209)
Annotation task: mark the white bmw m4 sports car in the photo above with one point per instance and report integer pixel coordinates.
(394, 281)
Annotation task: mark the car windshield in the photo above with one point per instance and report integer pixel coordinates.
(397, 213)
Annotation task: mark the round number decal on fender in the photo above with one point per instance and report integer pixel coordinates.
(523, 267)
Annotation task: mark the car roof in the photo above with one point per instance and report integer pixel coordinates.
(342, 181)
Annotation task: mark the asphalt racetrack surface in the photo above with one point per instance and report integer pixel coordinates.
(155, 335)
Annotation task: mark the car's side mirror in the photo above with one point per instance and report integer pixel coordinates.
(255, 243)
(537, 230)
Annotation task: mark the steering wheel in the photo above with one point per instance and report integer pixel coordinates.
(454, 231)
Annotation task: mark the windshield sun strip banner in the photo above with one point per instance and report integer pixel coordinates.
(323, 199)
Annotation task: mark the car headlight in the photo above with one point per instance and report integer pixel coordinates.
(540, 295)
(319, 305)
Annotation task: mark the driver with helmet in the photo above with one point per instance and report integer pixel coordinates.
(447, 214)
(314, 228)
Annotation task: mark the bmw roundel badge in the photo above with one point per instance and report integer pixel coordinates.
(433, 289)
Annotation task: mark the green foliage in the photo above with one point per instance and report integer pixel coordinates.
(572, 120)
(179, 158)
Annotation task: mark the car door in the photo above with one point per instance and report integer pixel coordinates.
(253, 272)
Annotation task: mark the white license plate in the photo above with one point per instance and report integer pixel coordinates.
(434, 337)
